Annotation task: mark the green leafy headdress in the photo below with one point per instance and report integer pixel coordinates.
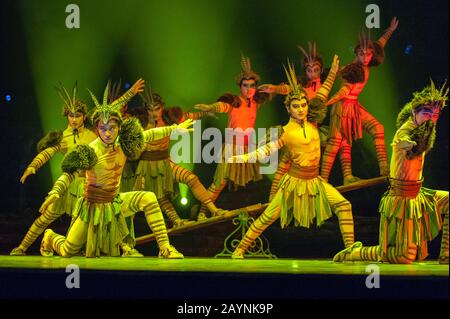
(110, 110)
(71, 103)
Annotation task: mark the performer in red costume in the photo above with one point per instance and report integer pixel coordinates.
(349, 117)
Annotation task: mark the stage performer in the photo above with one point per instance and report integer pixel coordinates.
(58, 141)
(348, 117)
(314, 76)
(302, 195)
(101, 211)
(156, 172)
(410, 213)
(241, 111)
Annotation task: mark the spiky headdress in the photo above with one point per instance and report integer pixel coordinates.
(149, 99)
(246, 71)
(297, 92)
(71, 103)
(114, 91)
(365, 43)
(429, 97)
(109, 110)
(311, 57)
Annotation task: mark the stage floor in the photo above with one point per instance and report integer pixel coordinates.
(222, 265)
(217, 279)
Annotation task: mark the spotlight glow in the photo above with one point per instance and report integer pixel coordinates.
(184, 201)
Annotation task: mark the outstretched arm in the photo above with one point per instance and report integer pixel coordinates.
(325, 88)
(217, 107)
(282, 88)
(385, 37)
(59, 188)
(197, 115)
(161, 132)
(259, 154)
(343, 92)
(40, 159)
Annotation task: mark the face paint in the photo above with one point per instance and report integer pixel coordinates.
(108, 132)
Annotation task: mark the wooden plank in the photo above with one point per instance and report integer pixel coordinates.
(251, 210)
(363, 184)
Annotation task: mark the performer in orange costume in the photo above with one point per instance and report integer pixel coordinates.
(241, 111)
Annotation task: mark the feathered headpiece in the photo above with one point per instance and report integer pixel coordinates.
(71, 103)
(149, 99)
(297, 91)
(366, 43)
(311, 57)
(429, 97)
(246, 71)
(114, 91)
(110, 110)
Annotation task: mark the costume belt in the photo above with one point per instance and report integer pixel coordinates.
(98, 195)
(304, 172)
(154, 155)
(398, 187)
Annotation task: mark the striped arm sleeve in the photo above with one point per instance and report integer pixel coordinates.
(158, 132)
(385, 37)
(221, 107)
(325, 88)
(282, 89)
(62, 184)
(194, 115)
(265, 150)
(44, 156)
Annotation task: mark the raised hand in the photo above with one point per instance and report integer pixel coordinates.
(203, 107)
(138, 86)
(29, 171)
(48, 201)
(186, 126)
(335, 63)
(394, 24)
